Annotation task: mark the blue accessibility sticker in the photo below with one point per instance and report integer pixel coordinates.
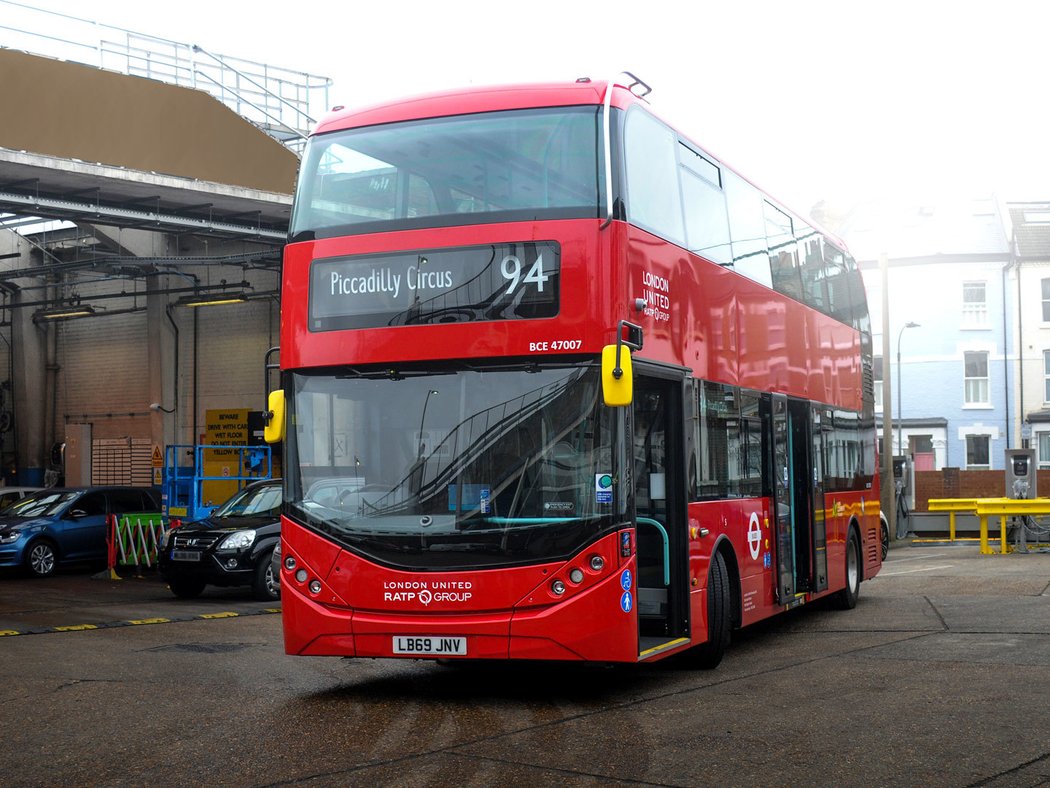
(625, 580)
(627, 601)
(767, 560)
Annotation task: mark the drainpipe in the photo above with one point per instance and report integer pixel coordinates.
(1020, 354)
(1006, 361)
(175, 382)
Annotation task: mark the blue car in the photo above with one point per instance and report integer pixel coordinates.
(65, 525)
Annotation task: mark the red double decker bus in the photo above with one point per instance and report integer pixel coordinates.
(557, 384)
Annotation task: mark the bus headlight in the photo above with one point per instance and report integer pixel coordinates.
(557, 588)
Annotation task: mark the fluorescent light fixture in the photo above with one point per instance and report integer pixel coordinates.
(64, 312)
(214, 299)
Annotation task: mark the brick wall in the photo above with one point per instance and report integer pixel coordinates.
(956, 483)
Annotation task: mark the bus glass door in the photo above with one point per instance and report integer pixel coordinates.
(657, 424)
(796, 491)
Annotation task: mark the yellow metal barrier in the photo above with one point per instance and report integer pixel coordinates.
(984, 508)
(1007, 507)
(953, 506)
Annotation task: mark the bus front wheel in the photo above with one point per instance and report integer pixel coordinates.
(719, 615)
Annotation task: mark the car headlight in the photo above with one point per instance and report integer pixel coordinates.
(7, 537)
(238, 540)
(165, 537)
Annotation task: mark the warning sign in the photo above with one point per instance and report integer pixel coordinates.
(157, 460)
(223, 428)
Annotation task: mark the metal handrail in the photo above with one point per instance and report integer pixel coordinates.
(173, 62)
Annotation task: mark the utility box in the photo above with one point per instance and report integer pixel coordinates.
(1020, 473)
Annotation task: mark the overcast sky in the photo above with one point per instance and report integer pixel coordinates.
(839, 100)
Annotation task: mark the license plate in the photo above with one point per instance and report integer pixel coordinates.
(430, 645)
(185, 555)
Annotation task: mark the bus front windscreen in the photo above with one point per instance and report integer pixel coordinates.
(455, 469)
(519, 165)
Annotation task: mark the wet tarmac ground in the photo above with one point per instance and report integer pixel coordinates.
(940, 676)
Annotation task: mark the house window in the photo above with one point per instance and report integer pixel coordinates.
(1046, 300)
(1046, 378)
(975, 305)
(975, 378)
(977, 452)
(1043, 443)
(876, 367)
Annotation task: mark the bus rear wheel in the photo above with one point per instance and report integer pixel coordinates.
(719, 615)
(846, 599)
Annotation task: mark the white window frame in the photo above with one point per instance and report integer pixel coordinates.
(974, 313)
(1042, 457)
(1046, 379)
(976, 387)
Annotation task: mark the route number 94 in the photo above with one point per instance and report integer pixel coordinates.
(511, 269)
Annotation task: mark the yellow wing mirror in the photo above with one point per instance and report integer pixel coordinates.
(273, 432)
(617, 370)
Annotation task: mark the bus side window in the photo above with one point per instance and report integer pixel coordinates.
(706, 219)
(814, 274)
(783, 253)
(654, 201)
(746, 229)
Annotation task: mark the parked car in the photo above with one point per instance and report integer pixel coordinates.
(10, 495)
(275, 562)
(61, 525)
(230, 547)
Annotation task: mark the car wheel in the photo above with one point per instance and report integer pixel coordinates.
(186, 589)
(41, 558)
(267, 585)
(719, 616)
(846, 599)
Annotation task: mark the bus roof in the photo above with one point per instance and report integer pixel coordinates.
(475, 99)
(493, 98)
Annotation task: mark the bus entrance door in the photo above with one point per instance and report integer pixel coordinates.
(660, 513)
(800, 548)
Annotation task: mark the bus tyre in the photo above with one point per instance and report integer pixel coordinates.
(846, 599)
(708, 655)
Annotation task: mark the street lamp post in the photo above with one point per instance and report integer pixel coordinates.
(900, 440)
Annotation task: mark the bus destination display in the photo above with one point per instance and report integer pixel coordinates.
(507, 281)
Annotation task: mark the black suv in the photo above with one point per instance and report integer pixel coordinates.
(231, 547)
